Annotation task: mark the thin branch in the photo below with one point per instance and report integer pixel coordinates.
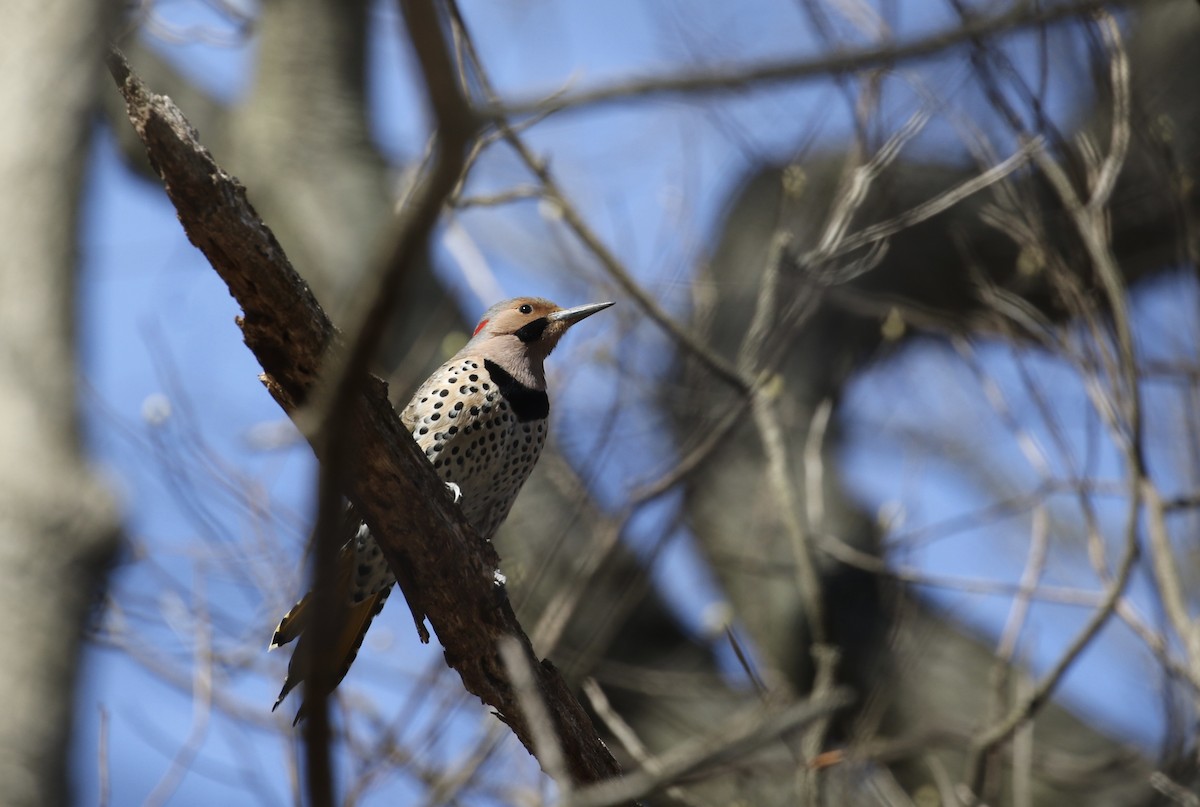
(1177, 793)
(521, 193)
(729, 79)
(202, 706)
(808, 582)
(1029, 705)
(1169, 584)
(629, 740)
(858, 183)
(744, 661)
(103, 764)
(711, 438)
(740, 736)
(545, 744)
(1035, 564)
(1124, 426)
(763, 408)
(814, 466)
(938, 204)
(835, 547)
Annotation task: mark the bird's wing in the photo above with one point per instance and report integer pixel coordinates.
(454, 378)
(439, 378)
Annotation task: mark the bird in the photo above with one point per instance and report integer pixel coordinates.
(481, 420)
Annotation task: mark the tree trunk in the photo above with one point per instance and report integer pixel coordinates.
(57, 524)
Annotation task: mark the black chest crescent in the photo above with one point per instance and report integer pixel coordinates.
(527, 403)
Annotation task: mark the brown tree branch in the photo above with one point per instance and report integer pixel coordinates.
(447, 571)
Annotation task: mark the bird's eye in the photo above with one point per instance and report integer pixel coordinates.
(526, 309)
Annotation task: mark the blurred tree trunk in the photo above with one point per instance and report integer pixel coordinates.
(57, 523)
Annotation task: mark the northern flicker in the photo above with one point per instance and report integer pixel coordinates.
(481, 420)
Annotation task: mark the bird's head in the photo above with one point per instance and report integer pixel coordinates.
(524, 330)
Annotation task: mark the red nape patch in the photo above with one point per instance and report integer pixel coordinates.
(479, 327)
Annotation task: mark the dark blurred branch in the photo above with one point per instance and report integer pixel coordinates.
(345, 371)
(728, 78)
(447, 572)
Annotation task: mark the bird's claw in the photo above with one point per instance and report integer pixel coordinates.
(455, 491)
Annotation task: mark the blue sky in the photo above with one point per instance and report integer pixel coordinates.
(157, 329)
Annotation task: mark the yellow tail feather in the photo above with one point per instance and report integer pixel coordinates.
(292, 624)
(353, 627)
(353, 619)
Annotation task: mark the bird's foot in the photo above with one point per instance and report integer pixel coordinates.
(455, 491)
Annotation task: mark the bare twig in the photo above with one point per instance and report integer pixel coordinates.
(1040, 693)
(858, 181)
(617, 725)
(771, 436)
(938, 204)
(711, 439)
(1022, 746)
(744, 661)
(735, 79)
(1165, 566)
(742, 735)
(521, 193)
(844, 553)
(104, 787)
(1174, 791)
(1034, 566)
(1123, 420)
(629, 740)
(546, 745)
(814, 466)
(1022, 752)
(762, 405)
(202, 688)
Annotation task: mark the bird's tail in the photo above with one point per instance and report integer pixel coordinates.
(292, 624)
(352, 620)
(352, 625)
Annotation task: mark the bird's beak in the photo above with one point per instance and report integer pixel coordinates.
(572, 315)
